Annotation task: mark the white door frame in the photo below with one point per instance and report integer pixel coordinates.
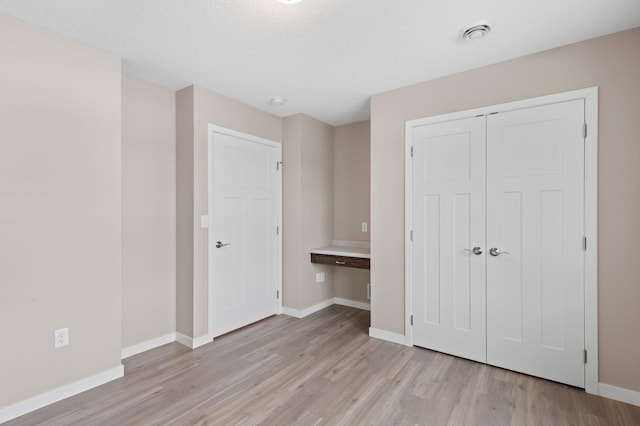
(278, 146)
(590, 96)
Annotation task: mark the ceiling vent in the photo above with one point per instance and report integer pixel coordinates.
(476, 32)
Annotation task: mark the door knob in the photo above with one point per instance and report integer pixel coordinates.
(219, 244)
(495, 252)
(476, 250)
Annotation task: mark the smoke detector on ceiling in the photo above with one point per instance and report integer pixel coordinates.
(476, 31)
(289, 1)
(277, 101)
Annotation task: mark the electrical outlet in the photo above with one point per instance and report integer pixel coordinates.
(365, 227)
(319, 277)
(61, 337)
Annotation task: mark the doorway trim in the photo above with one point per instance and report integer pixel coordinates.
(211, 129)
(590, 96)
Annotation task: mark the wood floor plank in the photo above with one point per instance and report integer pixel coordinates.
(323, 370)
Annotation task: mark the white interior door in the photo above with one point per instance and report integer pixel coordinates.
(243, 236)
(448, 290)
(535, 212)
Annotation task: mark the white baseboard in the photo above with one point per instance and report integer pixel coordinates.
(352, 303)
(58, 394)
(301, 313)
(291, 312)
(184, 340)
(387, 335)
(619, 394)
(193, 343)
(147, 345)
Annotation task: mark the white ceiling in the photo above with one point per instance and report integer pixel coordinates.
(325, 57)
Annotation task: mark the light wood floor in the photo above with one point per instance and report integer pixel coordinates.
(323, 369)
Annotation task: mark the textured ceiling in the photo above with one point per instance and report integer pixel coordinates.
(325, 57)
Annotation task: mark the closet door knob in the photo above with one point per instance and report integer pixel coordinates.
(495, 252)
(476, 250)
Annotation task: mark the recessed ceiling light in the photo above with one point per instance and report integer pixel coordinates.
(289, 1)
(477, 31)
(277, 101)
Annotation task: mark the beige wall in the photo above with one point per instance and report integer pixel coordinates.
(351, 201)
(184, 211)
(60, 124)
(291, 211)
(196, 109)
(351, 284)
(612, 63)
(351, 180)
(307, 209)
(148, 211)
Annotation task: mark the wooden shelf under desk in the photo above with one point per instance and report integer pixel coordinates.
(350, 257)
(349, 262)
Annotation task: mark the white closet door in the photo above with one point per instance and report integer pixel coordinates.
(448, 292)
(535, 212)
(244, 244)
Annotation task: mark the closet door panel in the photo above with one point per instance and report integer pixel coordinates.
(535, 221)
(448, 222)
